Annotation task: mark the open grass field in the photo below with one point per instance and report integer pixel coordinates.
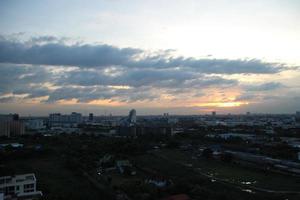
(235, 173)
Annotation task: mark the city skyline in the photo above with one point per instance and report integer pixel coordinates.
(182, 57)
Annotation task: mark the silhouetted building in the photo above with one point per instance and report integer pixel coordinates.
(154, 130)
(17, 128)
(91, 117)
(15, 117)
(129, 131)
(298, 116)
(5, 128)
(10, 125)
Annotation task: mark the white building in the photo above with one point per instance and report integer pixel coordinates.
(19, 187)
(130, 120)
(132, 116)
(35, 124)
(59, 120)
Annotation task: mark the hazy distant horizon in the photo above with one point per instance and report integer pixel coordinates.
(125, 111)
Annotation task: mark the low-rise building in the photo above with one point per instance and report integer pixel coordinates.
(19, 187)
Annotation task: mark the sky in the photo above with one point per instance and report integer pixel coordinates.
(179, 56)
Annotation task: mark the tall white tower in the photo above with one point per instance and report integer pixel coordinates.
(132, 116)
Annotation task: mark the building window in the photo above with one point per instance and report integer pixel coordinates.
(8, 180)
(31, 190)
(28, 186)
(10, 190)
(17, 187)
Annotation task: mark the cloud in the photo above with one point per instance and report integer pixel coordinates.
(40, 40)
(61, 54)
(63, 83)
(15, 78)
(50, 50)
(7, 99)
(49, 68)
(264, 86)
(247, 97)
(89, 93)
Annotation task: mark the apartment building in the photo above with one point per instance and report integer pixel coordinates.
(19, 187)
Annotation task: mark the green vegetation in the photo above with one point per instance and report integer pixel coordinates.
(235, 173)
(66, 168)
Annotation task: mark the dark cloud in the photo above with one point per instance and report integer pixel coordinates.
(61, 54)
(162, 78)
(33, 91)
(247, 97)
(49, 50)
(7, 99)
(260, 92)
(212, 66)
(22, 79)
(264, 86)
(90, 84)
(92, 72)
(47, 39)
(89, 93)
(131, 77)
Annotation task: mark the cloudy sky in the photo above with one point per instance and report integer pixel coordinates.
(176, 56)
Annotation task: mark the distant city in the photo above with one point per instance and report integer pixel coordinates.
(114, 148)
(13, 124)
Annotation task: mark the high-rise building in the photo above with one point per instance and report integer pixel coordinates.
(132, 116)
(130, 120)
(298, 116)
(6, 118)
(5, 128)
(91, 117)
(75, 117)
(35, 124)
(213, 113)
(15, 117)
(17, 128)
(10, 125)
(59, 120)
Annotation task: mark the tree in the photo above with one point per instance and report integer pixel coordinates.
(207, 153)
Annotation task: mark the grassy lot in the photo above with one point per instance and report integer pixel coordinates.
(235, 173)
